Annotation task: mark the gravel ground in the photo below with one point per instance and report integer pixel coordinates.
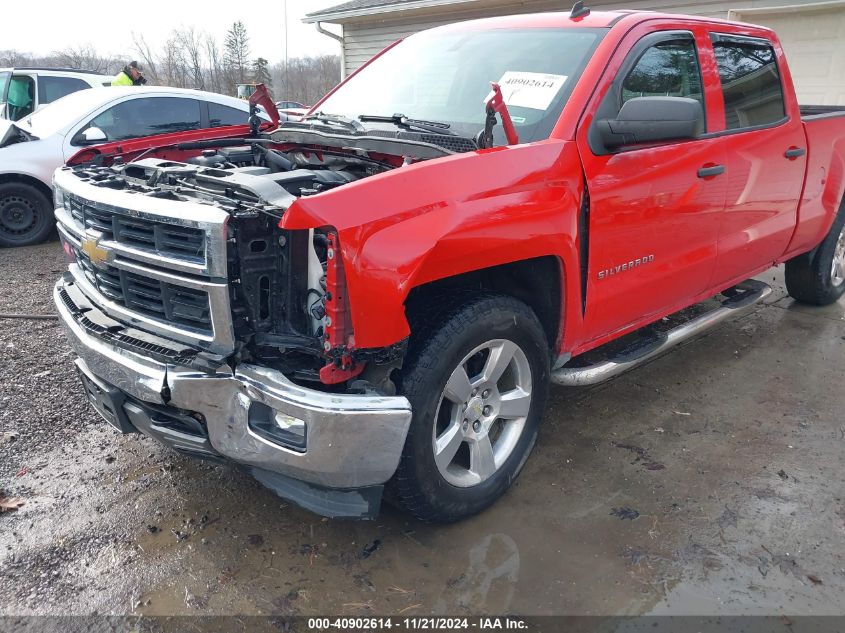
(36, 359)
(710, 481)
(57, 455)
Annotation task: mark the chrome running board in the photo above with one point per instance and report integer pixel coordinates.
(739, 299)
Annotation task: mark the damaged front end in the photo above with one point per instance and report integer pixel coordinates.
(329, 453)
(200, 322)
(285, 305)
(11, 134)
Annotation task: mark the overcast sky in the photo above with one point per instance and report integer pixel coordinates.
(44, 26)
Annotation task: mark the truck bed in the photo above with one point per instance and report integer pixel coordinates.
(825, 174)
(815, 111)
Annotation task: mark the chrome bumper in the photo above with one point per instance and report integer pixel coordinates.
(353, 441)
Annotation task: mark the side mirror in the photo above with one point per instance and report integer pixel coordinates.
(92, 136)
(652, 119)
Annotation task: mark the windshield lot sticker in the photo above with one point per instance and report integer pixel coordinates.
(530, 90)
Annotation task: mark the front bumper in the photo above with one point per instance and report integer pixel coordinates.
(354, 442)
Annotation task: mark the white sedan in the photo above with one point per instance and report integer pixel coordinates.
(31, 149)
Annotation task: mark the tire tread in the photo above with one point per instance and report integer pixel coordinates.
(45, 206)
(433, 327)
(807, 275)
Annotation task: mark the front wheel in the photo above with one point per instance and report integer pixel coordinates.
(477, 379)
(818, 277)
(26, 215)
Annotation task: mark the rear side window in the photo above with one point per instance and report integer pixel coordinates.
(750, 83)
(52, 88)
(224, 115)
(667, 69)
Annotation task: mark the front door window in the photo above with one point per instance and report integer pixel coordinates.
(147, 116)
(21, 97)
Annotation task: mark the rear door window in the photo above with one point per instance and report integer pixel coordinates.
(751, 83)
(52, 88)
(147, 116)
(220, 115)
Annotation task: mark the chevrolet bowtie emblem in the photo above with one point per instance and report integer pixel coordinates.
(99, 255)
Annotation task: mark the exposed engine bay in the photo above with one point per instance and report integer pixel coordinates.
(287, 291)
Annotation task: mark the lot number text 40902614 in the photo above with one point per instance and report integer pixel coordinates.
(417, 624)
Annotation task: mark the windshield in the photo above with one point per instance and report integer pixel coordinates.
(445, 74)
(63, 113)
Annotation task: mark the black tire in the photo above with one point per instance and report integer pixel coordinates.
(442, 337)
(811, 277)
(26, 215)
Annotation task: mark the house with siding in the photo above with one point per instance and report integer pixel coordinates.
(812, 33)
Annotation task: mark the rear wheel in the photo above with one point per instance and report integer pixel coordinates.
(818, 277)
(26, 215)
(477, 381)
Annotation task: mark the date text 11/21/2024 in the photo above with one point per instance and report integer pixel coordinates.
(485, 623)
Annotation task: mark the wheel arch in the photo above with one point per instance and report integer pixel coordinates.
(539, 282)
(27, 180)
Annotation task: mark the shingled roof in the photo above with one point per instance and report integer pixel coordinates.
(364, 7)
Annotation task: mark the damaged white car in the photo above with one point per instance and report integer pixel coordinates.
(31, 149)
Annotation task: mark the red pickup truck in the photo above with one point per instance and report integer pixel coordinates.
(374, 300)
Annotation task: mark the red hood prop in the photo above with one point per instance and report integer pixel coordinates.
(262, 97)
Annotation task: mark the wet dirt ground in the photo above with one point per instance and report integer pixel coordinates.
(708, 482)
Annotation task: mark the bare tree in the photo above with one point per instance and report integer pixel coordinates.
(191, 43)
(306, 79)
(13, 57)
(215, 66)
(172, 64)
(147, 58)
(84, 57)
(194, 59)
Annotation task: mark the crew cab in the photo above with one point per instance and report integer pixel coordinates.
(374, 300)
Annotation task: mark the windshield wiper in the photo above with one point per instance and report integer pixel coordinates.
(436, 127)
(337, 119)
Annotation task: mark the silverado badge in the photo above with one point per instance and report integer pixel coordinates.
(615, 270)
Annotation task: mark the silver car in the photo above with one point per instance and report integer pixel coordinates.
(31, 149)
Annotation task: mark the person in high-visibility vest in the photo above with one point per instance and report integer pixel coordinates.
(129, 76)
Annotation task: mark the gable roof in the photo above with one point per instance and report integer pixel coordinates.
(355, 8)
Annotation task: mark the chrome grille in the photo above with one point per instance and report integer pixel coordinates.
(148, 262)
(151, 297)
(167, 239)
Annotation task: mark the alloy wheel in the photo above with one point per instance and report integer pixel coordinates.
(837, 270)
(482, 413)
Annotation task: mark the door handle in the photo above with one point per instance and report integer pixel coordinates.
(709, 172)
(794, 152)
